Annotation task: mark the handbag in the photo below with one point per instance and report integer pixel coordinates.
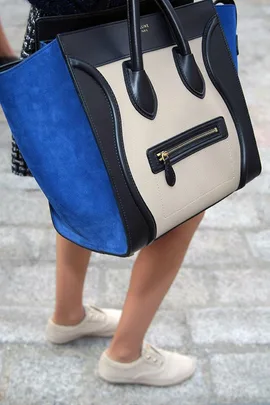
(132, 127)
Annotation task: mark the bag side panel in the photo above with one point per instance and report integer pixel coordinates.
(53, 133)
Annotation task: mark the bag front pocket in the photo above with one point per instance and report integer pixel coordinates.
(163, 156)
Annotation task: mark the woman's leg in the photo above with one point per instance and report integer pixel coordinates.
(153, 273)
(71, 319)
(5, 48)
(71, 266)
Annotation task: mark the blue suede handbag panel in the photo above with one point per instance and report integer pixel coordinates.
(43, 108)
(69, 164)
(228, 19)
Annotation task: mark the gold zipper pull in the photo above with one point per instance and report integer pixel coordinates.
(169, 171)
(162, 156)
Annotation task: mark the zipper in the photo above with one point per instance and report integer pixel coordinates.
(166, 155)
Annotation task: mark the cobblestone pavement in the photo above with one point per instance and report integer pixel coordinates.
(217, 309)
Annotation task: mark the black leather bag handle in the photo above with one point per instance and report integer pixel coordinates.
(135, 33)
(138, 84)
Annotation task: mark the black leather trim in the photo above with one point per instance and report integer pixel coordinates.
(9, 64)
(4, 60)
(188, 150)
(141, 91)
(223, 75)
(47, 28)
(190, 73)
(109, 43)
(96, 96)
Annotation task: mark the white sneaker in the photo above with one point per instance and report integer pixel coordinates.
(155, 367)
(97, 322)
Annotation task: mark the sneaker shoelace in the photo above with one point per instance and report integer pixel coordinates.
(152, 355)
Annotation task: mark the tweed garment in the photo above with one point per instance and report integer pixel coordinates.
(42, 8)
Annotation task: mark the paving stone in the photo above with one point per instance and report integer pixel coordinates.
(10, 181)
(191, 392)
(261, 185)
(27, 243)
(263, 204)
(248, 287)
(113, 287)
(192, 287)
(2, 388)
(34, 285)
(265, 157)
(230, 326)
(5, 138)
(1, 366)
(241, 377)
(27, 285)
(5, 159)
(23, 325)
(2, 117)
(43, 376)
(260, 244)
(208, 248)
(169, 330)
(124, 263)
(237, 211)
(24, 208)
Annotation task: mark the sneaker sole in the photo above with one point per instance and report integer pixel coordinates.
(148, 383)
(60, 340)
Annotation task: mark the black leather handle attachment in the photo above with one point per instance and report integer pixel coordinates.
(139, 86)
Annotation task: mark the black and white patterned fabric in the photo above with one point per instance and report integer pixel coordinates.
(18, 164)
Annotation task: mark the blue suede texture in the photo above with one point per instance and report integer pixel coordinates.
(53, 133)
(228, 18)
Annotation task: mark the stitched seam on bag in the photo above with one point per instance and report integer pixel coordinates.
(179, 68)
(216, 84)
(215, 188)
(75, 16)
(197, 199)
(127, 56)
(129, 35)
(129, 171)
(102, 26)
(134, 100)
(106, 160)
(118, 160)
(205, 194)
(227, 46)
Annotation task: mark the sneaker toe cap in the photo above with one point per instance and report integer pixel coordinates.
(182, 367)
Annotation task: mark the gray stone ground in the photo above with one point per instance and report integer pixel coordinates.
(217, 309)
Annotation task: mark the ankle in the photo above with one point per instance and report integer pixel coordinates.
(71, 318)
(123, 354)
